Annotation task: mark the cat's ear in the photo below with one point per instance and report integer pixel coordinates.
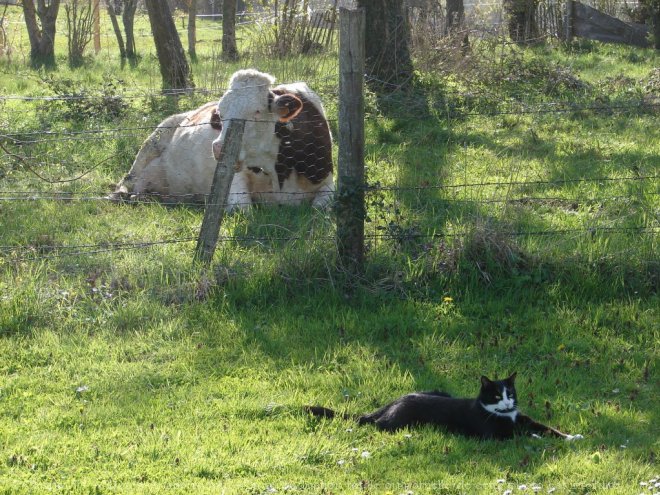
(512, 378)
(485, 381)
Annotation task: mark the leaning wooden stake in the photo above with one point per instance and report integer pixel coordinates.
(350, 180)
(217, 200)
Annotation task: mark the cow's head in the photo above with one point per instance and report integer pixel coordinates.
(250, 98)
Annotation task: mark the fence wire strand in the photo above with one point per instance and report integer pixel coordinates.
(46, 252)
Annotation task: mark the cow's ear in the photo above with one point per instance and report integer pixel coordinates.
(287, 106)
(216, 123)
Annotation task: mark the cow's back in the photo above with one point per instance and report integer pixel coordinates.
(171, 162)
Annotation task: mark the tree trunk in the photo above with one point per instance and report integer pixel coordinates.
(455, 15)
(128, 17)
(192, 30)
(4, 47)
(456, 24)
(521, 20)
(115, 27)
(174, 68)
(229, 49)
(655, 19)
(42, 39)
(387, 36)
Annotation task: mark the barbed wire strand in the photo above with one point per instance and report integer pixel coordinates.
(87, 249)
(368, 188)
(72, 136)
(318, 82)
(134, 202)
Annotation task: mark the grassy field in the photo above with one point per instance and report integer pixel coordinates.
(126, 369)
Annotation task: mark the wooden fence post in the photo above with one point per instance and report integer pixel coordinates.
(217, 200)
(97, 26)
(350, 181)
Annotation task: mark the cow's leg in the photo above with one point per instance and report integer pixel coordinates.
(239, 193)
(325, 194)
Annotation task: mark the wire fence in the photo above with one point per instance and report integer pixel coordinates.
(30, 152)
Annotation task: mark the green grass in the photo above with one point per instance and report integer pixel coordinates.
(133, 371)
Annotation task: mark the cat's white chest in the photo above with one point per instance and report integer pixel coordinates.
(504, 408)
(511, 415)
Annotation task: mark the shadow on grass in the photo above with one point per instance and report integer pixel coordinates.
(413, 217)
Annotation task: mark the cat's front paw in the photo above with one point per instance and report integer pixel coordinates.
(571, 438)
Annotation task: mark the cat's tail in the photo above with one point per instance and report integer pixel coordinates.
(324, 412)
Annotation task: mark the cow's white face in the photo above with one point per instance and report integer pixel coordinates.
(250, 98)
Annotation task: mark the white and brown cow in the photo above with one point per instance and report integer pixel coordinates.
(285, 156)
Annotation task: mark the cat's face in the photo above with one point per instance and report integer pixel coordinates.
(499, 396)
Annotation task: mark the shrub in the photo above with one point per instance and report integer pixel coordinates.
(79, 104)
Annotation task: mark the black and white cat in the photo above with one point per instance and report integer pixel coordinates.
(493, 414)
